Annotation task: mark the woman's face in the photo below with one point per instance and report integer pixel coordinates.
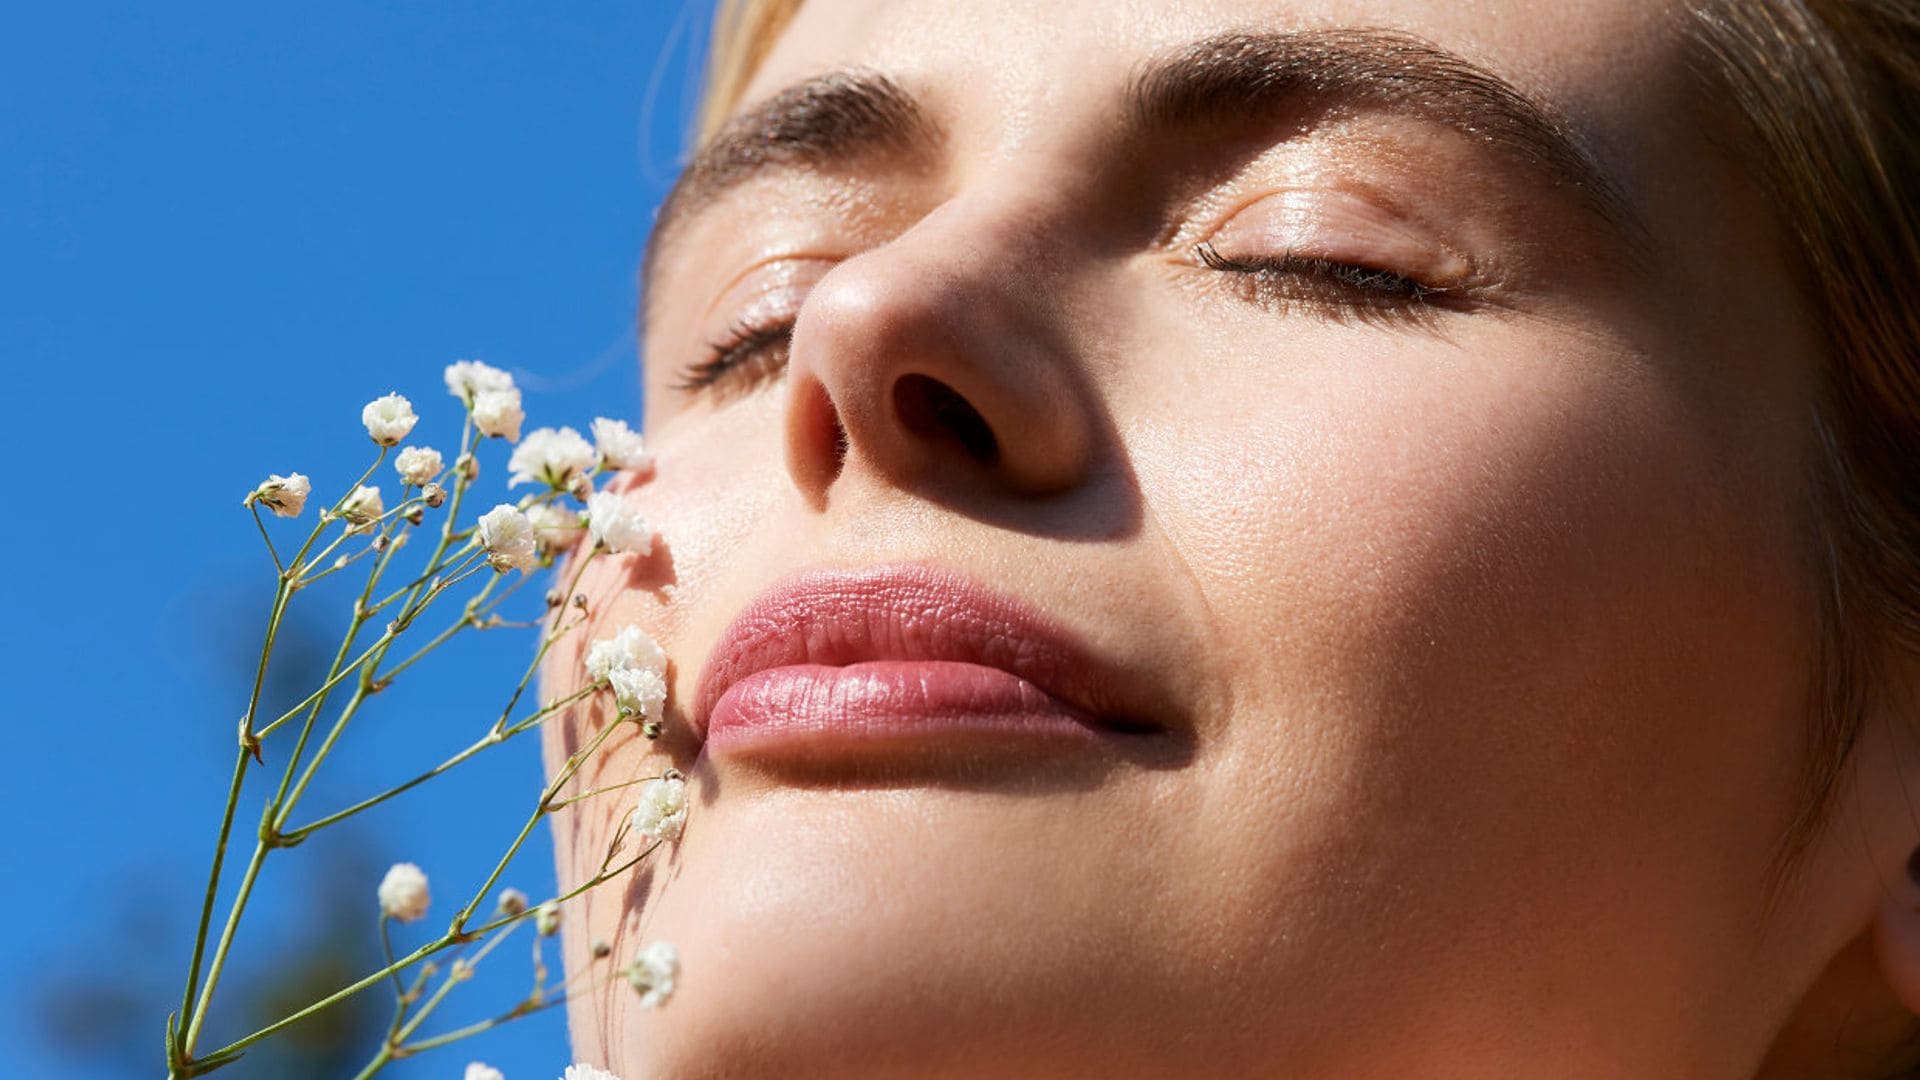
(1396, 454)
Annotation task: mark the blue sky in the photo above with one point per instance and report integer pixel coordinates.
(223, 227)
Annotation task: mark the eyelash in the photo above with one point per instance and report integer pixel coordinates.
(1345, 287)
(757, 350)
(749, 349)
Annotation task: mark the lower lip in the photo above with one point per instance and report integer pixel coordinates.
(816, 709)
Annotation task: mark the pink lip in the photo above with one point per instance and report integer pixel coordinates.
(835, 659)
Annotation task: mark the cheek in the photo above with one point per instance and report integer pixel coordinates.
(1476, 606)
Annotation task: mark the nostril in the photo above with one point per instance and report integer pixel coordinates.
(933, 410)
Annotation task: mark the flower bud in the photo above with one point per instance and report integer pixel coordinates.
(512, 902)
(507, 536)
(286, 496)
(363, 507)
(468, 379)
(497, 413)
(546, 918)
(652, 973)
(417, 464)
(434, 495)
(403, 893)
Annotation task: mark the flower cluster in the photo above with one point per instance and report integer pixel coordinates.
(388, 419)
(556, 457)
(539, 527)
(635, 666)
(418, 465)
(662, 812)
(617, 526)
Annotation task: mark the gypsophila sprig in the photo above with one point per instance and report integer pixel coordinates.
(444, 597)
(480, 1070)
(285, 496)
(388, 419)
(620, 446)
(618, 527)
(653, 972)
(507, 536)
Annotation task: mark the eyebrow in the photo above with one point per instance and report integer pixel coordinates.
(1237, 78)
(829, 120)
(1227, 80)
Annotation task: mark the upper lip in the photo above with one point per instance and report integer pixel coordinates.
(911, 613)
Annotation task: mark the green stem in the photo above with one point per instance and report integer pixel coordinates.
(571, 799)
(566, 772)
(525, 1008)
(213, 887)
(220, 951)
(492, 738)
(271, 550)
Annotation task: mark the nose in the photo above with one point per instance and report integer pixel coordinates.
(937, 359)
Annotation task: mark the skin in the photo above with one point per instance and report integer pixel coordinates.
(1489, 631)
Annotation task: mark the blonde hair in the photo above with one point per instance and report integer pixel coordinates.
(743, 34)
(1825, 98)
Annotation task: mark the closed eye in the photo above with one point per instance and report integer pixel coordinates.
(1344, 285)
(753, 352)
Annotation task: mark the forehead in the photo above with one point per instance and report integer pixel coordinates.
(1005, 74)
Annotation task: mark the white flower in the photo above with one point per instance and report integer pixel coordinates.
(662, 812)
(363, 507)
(630, 648)
(586, 1072)
(546, 918)
(388, 419)
(556, 528)
(467, 379)
(620, 446)
(638, 692)
(512, 901)
(616, 525)
(403, 892)
(480, 1070)
(497, 413)
(652, 973)
(286, 496)
(418, 465)
(552, 457)
(507, 536)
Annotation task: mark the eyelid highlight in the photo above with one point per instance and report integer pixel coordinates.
(760, 304)
(1341, 228)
